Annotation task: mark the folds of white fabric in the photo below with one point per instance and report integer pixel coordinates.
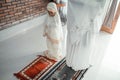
(54, 34)
(82, 28)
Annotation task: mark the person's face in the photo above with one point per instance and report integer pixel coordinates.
(51, 13)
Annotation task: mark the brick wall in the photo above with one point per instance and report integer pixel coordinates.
(16, 11)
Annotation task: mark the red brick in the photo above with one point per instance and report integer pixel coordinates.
(3, 8)
(6, 25)
(1, 28)
(10, 15)
(2, 1)
(12, 12)
(23, 6)
(13, 6)
(16, 8)
(1, 15)
(5, 20)
(22, 20)
(9, 0)
(1, 12)
(7, 10)
(0, 5)
(23, 9)
(15, 17)
(18, 13)
(27, 8)
(10, 21)
(22, 1)
(1, 24)
(31, 5)
(34, 2)
(16, 22)
(6, 4)
(2, 18)
(16, 2)
(20, 4)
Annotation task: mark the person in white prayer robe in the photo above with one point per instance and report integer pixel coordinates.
(83, 24)
(53, 32)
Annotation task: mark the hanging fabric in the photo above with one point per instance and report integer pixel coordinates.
(82, 25)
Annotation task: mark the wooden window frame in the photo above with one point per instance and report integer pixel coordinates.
(109, 29)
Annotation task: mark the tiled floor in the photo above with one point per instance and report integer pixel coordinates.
(110, 67)
(107, 46)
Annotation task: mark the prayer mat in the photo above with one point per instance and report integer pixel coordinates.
(63, 72)
(36, 69)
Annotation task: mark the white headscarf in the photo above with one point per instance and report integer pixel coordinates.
(52, 6)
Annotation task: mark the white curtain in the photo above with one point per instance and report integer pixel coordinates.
(85, 18)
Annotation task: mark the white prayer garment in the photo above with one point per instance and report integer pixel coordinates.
(62, 11)
(54, 34)
(85, 18)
